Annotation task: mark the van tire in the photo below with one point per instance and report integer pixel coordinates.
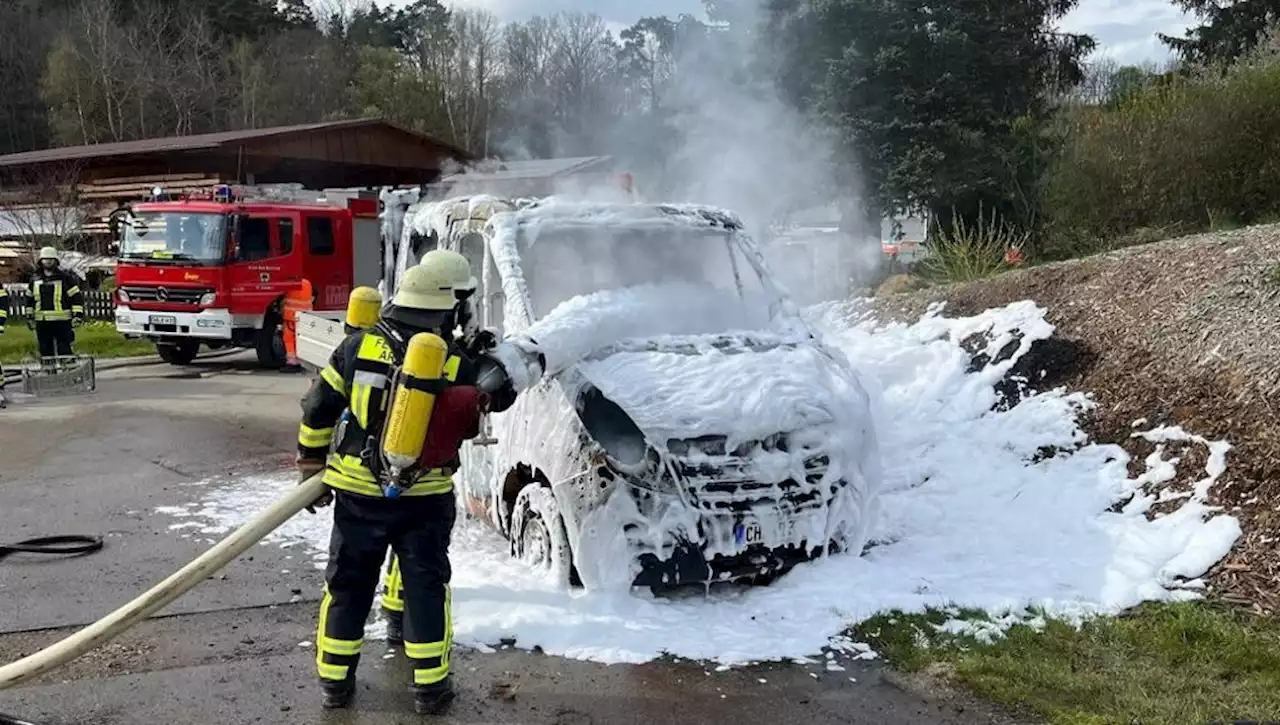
(182, 352)
(269, 344)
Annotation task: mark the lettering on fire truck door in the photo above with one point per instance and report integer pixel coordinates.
(261, 268)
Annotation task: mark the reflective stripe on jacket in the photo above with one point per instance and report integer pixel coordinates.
(56, 297)
(356, 380)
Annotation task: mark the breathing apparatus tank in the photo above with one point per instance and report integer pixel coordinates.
(413, 399)
(363, 307)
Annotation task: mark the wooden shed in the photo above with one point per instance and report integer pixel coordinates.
(366, 152)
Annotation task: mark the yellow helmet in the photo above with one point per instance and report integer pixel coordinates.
(362, 308)
(429, 284)
(458, 266)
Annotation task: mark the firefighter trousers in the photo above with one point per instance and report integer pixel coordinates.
(418, 529)
(54, 337)
(393, 587)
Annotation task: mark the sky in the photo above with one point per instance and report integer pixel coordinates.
(1125, 29)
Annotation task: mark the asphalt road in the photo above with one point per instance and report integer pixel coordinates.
(231, 651)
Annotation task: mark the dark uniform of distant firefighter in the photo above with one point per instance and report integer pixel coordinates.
(394, 404)
(57, 304)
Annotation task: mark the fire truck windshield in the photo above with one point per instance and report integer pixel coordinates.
(190, 237)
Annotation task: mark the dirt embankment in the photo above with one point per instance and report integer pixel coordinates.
(1183, 332)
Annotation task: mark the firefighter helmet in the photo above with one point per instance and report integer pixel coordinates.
(429, 285)
(48, 253)
(459, 268)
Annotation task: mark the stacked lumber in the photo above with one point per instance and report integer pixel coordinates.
(102, 196)
(135, 188)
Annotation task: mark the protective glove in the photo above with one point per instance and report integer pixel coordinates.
(77, 320)
(308, 467)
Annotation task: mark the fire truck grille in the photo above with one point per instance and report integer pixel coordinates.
(176, 295)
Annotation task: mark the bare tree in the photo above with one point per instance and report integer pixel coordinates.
(41, 206)
(334, 16)
(587, 80)
(528, 56)
(468, 65)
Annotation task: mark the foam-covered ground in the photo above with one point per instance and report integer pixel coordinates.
(1001, 510)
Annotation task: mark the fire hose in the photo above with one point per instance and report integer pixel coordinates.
(491, 377)
(69, 544)
(155, 598)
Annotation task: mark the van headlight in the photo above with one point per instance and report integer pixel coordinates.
(626, 449)
(612, 428)
(207, 298)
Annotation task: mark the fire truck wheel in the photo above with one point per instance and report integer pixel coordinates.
(178, 353)
(270, 342)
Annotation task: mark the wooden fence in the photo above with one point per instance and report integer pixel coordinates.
(97, 305)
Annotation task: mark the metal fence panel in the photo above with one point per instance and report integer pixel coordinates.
(97, 305)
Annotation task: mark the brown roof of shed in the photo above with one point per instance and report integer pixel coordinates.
(207, 141)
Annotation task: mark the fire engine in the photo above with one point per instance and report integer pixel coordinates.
(212, 268)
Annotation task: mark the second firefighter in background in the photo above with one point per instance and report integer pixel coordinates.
(363, 308)
(57, 304)
(370, 515)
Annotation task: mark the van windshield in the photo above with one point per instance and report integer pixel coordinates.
(191, 237)
(563, 262)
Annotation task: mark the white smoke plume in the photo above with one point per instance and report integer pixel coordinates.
(737, 145)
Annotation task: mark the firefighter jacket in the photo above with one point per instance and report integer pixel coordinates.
(4, 307)
(56, 296)
(353, 387)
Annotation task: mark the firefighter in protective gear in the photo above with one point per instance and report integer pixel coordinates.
(4, 317)
(57, 305)
(391, 599)
(362, 379)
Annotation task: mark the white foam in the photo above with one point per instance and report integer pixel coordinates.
(972, 515)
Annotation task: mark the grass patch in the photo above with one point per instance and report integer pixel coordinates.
(965, 252)
(98, 339)
(1159, 663)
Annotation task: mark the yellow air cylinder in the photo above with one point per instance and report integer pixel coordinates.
(362, 308)
(406, 427)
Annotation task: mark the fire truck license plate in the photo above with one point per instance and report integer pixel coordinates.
(164, 320)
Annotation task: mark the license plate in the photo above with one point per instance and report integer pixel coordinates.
(164, 320)
(751, 532)
(748, 533)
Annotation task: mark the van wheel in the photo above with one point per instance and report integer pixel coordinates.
(538, 536)
(270, 341)
(178, 353)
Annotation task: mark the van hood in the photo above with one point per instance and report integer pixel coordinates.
(742, 387)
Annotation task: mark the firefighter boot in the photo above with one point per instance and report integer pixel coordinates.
(338, 693)
(433, 699)
(395, 627)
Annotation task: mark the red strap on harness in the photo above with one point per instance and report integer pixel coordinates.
(455, 417)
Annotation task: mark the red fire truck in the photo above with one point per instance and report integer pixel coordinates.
(213, 268)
